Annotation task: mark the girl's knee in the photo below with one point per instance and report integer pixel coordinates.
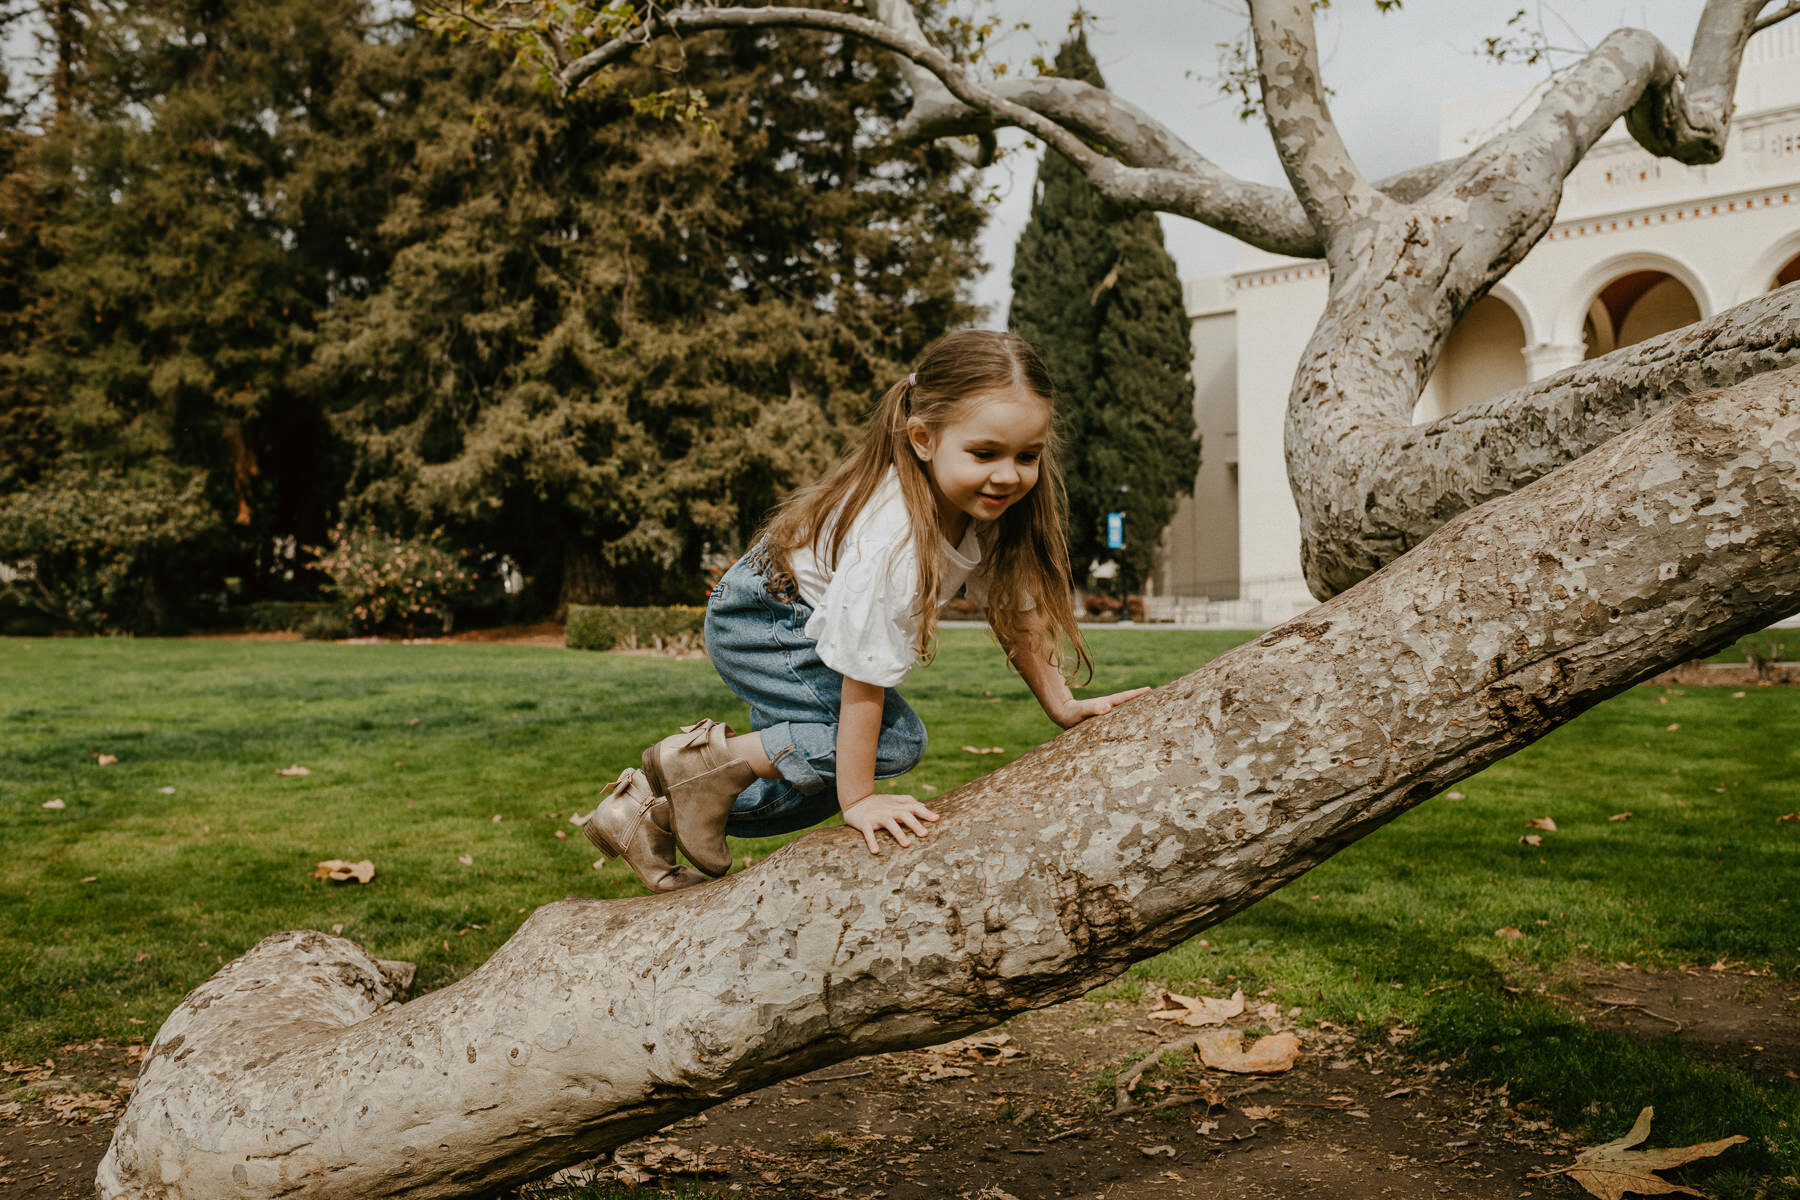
(902, 745)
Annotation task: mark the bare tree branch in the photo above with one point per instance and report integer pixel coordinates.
(1778, 16)
(1325, 178)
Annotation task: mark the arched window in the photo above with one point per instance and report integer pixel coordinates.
(1788, 274)
(1634, 307)
(1484, 356)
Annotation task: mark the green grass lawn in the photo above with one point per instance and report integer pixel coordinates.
(116, 904)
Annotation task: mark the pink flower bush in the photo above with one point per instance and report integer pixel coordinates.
(390, 584)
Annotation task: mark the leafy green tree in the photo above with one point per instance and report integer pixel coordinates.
(175, 317)
(606, 342)
(1101, 300)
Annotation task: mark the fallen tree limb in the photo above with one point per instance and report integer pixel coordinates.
(288, 1074)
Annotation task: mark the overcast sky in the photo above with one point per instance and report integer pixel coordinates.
(1388, 74)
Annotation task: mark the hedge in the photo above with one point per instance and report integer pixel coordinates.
(597, 627)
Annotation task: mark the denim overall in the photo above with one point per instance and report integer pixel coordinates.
(755, 636)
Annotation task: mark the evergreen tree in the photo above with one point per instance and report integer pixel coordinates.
(1100, 299)
(184, 279)
(608, 342)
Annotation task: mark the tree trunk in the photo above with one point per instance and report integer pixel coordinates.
(584, 579)
(288, 1074)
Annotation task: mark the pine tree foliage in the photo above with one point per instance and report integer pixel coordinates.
(184, 277)
(1100, 299)
(608, 342)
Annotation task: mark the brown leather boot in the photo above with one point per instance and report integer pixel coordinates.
(701, 778)
(633, 824)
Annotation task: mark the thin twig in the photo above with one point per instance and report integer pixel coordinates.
(1123, 1085)
(835, 1078)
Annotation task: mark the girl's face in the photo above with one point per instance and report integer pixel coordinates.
(986, 460)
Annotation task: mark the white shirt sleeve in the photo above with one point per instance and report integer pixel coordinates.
(865, 627)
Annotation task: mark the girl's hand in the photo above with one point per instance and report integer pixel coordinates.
(1076, 711)
(896, 814)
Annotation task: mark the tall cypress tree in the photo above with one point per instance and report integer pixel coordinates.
(609, 341)
(1101, 300)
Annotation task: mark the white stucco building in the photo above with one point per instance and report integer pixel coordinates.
(1640, 246)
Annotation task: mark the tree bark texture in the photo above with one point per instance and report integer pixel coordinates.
(289, 1073)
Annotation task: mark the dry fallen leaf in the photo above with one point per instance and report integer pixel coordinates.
(1260, 1112)
(1791, 818)
(1156, 1151)
(467, 860)
(166, 791)
(1673, 727)
(1224, 1050)
(1509, 931)
(988, 1047)
(942, 1071)
(985, 749)
(1531, 839)
(1197, 1010)
(1615, 1169)
(54, 804)
(296, 769)
(339, 871)
(1453, 796)
(105, 760)
(1543, 823)
(1624, 816)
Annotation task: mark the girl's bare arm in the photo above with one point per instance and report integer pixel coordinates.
(859, 726)
(1031, 656)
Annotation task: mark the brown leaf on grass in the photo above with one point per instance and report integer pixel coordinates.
(1624, 816)
(339, 871)
(1224, 1050)
(1510, 932)
(102, 760)
(1531, 839)
(1792, 818)
(1543, 823)
(985, 749)
(467, 860)
(30, 1072)
(1197, 1010)
(1673, 727)
(1613, 1170)
(54, 804)
(670, 1159)
(296, 770)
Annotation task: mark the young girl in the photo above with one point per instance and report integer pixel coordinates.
(954, 483)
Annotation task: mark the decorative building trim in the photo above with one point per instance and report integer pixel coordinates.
(1712, 206)
(1283, 274)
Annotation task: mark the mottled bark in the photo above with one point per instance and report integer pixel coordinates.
(287, 1074)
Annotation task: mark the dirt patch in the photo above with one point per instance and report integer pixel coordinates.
(1737, 1016)
(56, 1119)
(1027, 1111)
(1350, 1120)
(542, 633)
(1733, 675)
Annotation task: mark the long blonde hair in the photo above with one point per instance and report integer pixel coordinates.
(1029, 553)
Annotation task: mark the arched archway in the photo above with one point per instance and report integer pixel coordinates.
(1634, 307)
(1777, 266)
(1788, 274)
(1484, 356)
(1627, 298)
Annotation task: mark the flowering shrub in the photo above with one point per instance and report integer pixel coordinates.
(390, 584)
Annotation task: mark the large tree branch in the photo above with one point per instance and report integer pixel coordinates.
(1325, 178)
(600, 1020)
(1380, 489)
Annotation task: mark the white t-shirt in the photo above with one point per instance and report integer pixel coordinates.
(864, 616)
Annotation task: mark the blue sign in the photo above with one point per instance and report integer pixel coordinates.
(1115, 531)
